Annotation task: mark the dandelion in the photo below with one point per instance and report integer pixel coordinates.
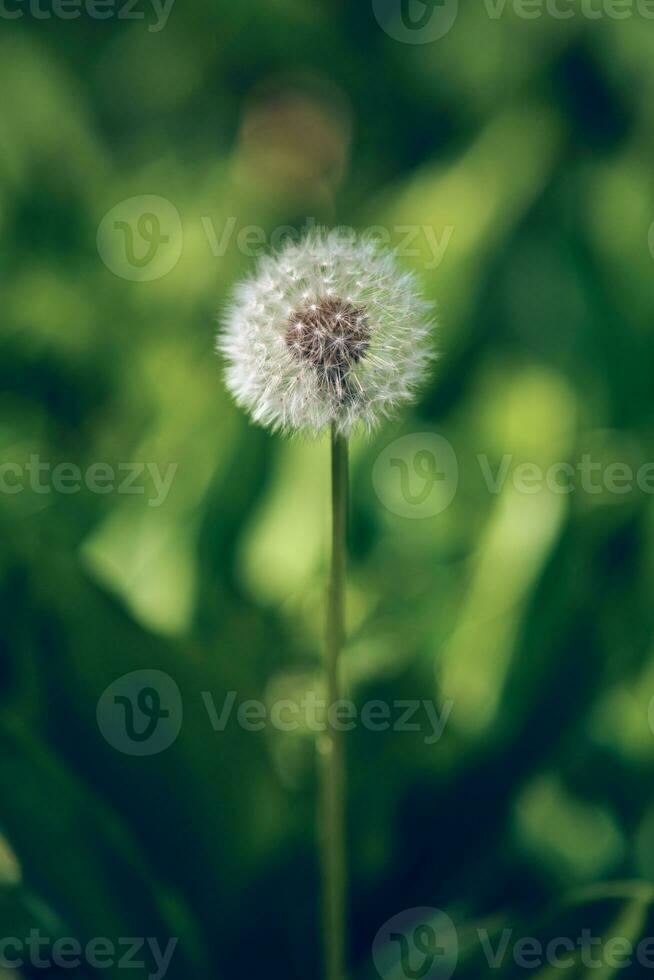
(329, 333)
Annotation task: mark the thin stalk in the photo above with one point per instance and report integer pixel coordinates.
(332, 747)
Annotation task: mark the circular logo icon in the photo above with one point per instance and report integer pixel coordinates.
(417, 944)
(416, 476)
(141, 713)
(141, 238)
(416, 21)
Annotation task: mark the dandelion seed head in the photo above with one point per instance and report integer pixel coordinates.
(327, 331)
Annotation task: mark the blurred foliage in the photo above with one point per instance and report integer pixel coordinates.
(531, 140)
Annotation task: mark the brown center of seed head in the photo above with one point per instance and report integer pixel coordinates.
(329, 333)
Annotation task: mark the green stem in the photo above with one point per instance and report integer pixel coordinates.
(332, 748)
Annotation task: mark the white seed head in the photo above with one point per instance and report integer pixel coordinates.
(328, 330)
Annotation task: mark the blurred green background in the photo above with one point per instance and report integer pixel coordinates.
(525, 147)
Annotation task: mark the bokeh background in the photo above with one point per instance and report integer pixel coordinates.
(525, 146)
